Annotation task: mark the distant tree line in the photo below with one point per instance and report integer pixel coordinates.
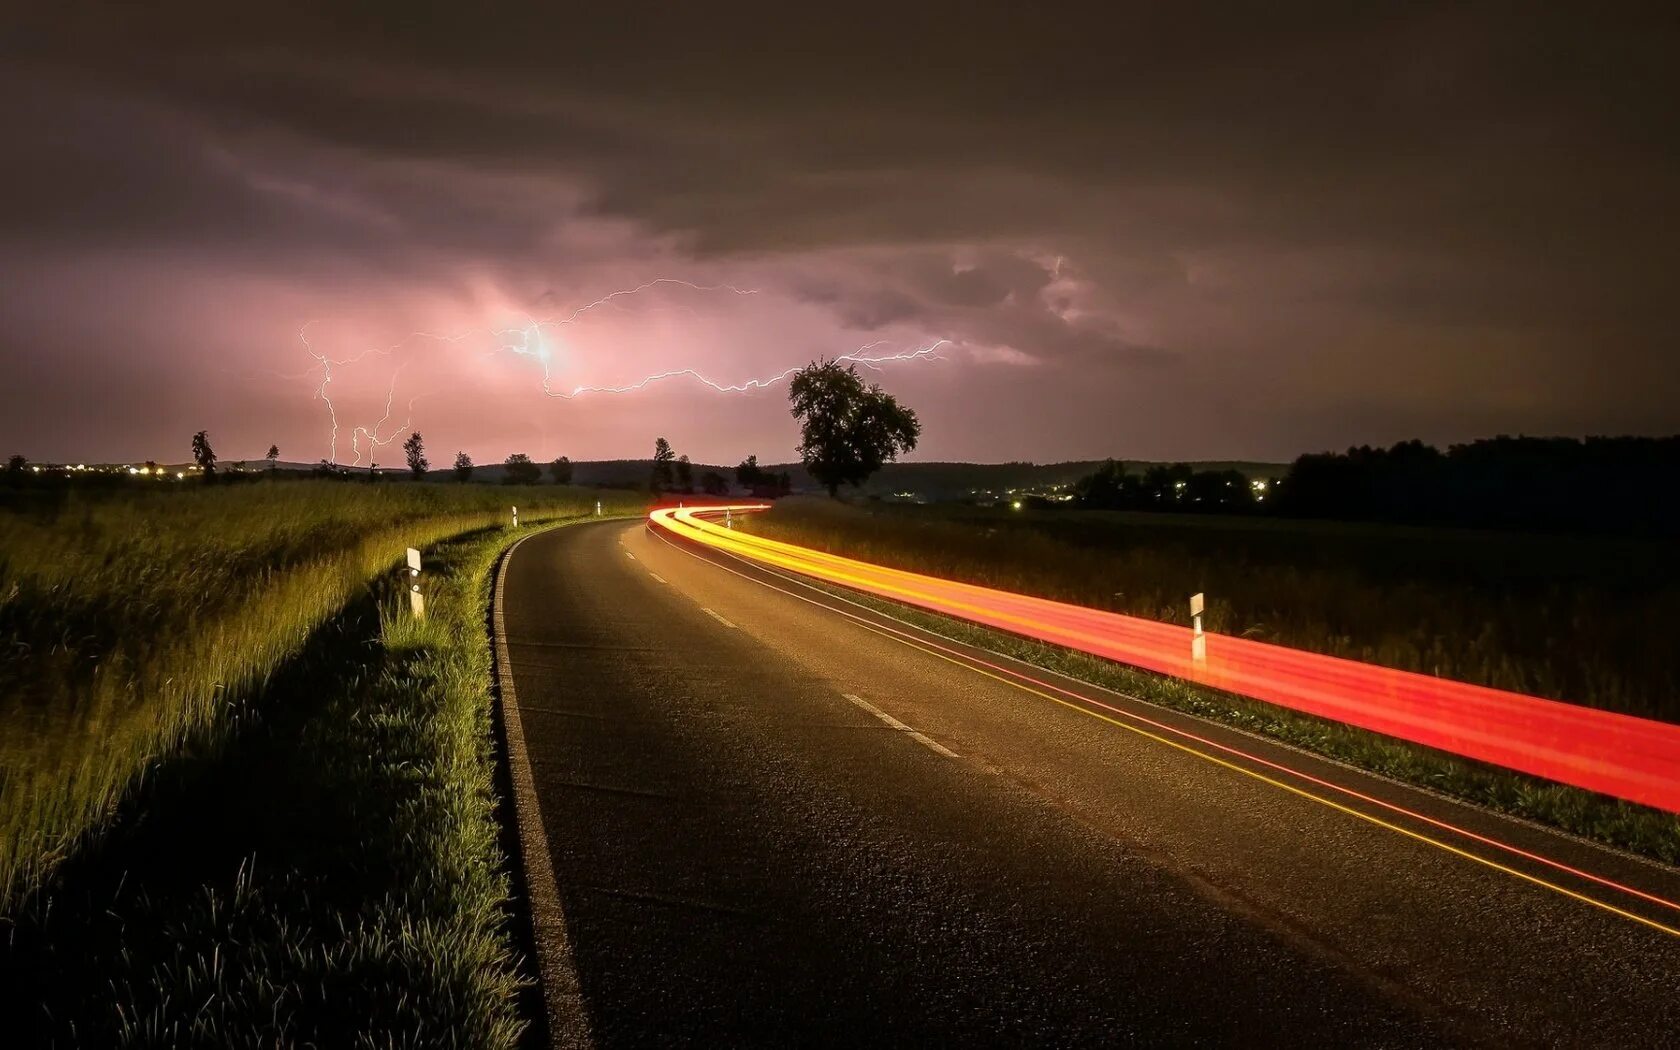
(760, 482)
(1163, 486)
(1621, 485)
(675, 474)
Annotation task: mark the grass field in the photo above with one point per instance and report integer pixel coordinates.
(322, 870)
(1514, 612)
(131, 621)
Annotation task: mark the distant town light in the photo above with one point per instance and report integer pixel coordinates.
(1016, 504)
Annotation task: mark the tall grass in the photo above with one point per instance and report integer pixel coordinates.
(323, 870)
(129, 619)
(1573, 619)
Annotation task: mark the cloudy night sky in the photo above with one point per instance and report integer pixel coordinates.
(1163, 234)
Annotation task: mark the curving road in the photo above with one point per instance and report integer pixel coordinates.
(773, 817)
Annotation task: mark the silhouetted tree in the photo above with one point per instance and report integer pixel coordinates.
(16, 464)
(685, 474)
(415, 449)
(1106, 487)
(561, 471)
(463, 466)
(714, 484)
(273, 456)
(747, 473)
(848, 430)
(520, 470)
(662, 457)
(203, 454)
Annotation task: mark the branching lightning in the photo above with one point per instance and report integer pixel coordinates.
(530, 341)
(326, 365)
(857, 356)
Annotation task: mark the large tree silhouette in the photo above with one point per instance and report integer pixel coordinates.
(848, 430)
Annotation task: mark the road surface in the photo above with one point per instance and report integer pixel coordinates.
(776, 818)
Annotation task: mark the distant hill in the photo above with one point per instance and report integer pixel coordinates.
(944, 481)
(929, 481)
(924, 481)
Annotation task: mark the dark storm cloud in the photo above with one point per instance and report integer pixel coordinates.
(1245, 189)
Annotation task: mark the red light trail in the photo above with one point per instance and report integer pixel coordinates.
(1630, 758)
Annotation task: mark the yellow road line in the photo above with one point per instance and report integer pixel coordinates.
(1214, 759)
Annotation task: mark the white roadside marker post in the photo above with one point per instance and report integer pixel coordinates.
(516, 517)
(728, 519)
(416, 600)
(1198, 640)
(597, 508)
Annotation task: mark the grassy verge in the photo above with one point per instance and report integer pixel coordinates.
(130, 621)
(1639, 829)
(324, 870)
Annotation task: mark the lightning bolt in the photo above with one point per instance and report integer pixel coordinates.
(530, 341)
(372, 435)
(858, 356)
(326, 365)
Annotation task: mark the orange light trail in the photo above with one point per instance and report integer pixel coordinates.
(1630, 758)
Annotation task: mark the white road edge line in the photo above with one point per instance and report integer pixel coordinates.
(716, 617)
(568, 1021)
(919, 737)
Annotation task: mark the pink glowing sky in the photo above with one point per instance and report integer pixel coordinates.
(1181, 237)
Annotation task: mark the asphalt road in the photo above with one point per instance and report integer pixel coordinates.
(774, 818)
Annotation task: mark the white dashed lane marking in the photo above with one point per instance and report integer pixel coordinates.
(716, 617)
(921, 738)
